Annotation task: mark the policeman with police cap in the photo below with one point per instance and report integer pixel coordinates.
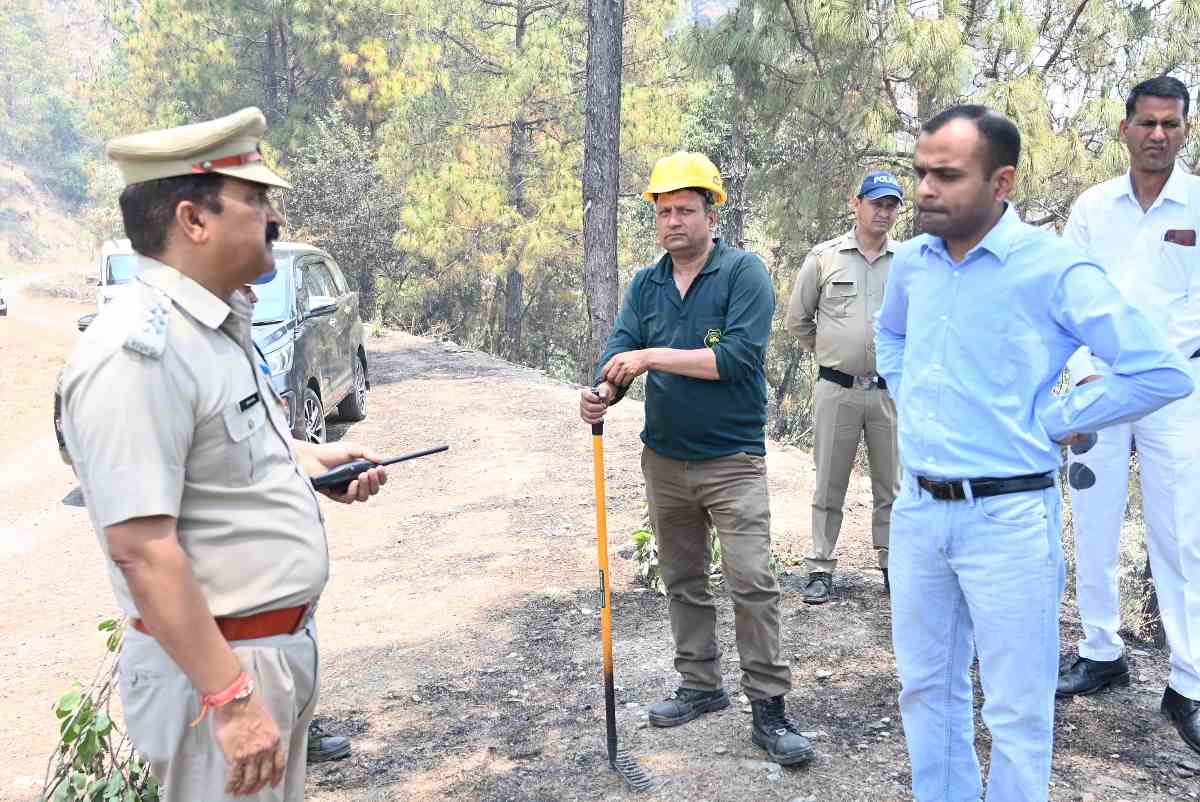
(832, 311)
(696, 323)
(200, 498)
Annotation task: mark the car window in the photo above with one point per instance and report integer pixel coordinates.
(121, 268)
(273, 297)
(318, 282)
(339, 280)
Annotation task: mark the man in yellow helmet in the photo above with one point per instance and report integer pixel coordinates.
(696, 323)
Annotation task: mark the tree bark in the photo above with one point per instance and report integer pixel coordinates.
(738, 168)
(601, 163)
(270, 78)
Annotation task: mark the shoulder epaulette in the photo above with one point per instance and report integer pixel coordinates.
(149, 338)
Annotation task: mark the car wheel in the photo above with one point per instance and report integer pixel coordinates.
(313, 415)
(354, 406)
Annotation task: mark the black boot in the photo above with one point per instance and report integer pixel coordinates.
(323, 747)
(818, 587)
(1184, 713)
(776, 733)
(1089, 676)
(685, 704)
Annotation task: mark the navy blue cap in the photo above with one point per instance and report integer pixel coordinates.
(880, 184)
(265, 278)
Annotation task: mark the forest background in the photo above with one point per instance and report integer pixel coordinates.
(437, 150)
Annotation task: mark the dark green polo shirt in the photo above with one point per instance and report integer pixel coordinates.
(728, 308)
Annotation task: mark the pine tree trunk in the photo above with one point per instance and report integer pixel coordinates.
(601, 162)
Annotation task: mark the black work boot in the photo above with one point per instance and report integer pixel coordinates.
(685, 704)
(1089, 676)
(818, 587)
(778, 734)
(1184, 713)
(323, 747)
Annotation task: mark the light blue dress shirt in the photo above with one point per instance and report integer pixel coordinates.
(971, 352)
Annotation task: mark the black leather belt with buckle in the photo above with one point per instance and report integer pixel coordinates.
(954, 490)
(848, 381)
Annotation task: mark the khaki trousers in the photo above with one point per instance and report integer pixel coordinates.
(159, 702)
(730, 494)
(841, 415)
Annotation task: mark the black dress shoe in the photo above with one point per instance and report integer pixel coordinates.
(1184, 713)
(323, 746)
(1089, 676)
(818, 587)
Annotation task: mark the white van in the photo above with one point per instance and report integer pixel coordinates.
(117, 267)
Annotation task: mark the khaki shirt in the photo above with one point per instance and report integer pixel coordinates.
(834, 301)
(166, 411)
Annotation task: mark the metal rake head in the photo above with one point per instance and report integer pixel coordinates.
(634, 775)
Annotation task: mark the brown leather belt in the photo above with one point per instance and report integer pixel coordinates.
(251, 627)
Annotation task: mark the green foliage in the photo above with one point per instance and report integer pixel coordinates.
(646, 565)
(40, 119)
(94, 761)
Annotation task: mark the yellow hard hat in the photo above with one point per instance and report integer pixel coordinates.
(684, 170)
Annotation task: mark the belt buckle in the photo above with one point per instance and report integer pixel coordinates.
(865, 382)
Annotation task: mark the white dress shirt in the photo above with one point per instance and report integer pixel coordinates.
(1160, 277)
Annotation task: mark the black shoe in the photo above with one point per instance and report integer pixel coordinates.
(1089, 676)
(323, 747)
(685, 704)
(887, 586)
(1184, 713)
(818, 587)
(778, 734)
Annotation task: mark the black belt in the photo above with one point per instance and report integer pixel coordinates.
(846, 380)
(952, 489)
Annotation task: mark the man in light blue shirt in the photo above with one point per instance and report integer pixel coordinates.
(979, 317)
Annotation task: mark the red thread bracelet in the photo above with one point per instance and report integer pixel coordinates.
(240, 689)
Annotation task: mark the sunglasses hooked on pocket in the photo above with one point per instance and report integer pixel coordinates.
(1080, 476)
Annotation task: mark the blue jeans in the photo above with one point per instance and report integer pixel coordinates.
(982, 576)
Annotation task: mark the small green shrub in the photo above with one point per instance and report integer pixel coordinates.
(645, 559)
(94, 760)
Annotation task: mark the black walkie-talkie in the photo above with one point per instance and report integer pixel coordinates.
(339, 478)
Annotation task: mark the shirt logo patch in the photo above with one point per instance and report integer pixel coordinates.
(712, 337)
(248, 402)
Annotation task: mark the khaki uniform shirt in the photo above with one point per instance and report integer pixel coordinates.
(166, 411)
(834, 301)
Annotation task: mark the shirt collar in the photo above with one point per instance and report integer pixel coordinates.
(190, 296)
(850, 243)
(998, 242)
(664, 270)
(1175, 190)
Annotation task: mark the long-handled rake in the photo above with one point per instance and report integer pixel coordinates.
(620, 760)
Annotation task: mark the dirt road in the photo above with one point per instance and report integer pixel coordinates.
(459, 630)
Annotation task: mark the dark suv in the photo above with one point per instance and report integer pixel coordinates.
(306, 323)
(307, 327)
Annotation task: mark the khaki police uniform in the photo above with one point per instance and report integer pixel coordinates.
(167, 411)
(832, 311)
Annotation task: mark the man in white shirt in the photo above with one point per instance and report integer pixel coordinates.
(1142, 227)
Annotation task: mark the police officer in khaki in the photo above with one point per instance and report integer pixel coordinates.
(832, 311)
(199, 496)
